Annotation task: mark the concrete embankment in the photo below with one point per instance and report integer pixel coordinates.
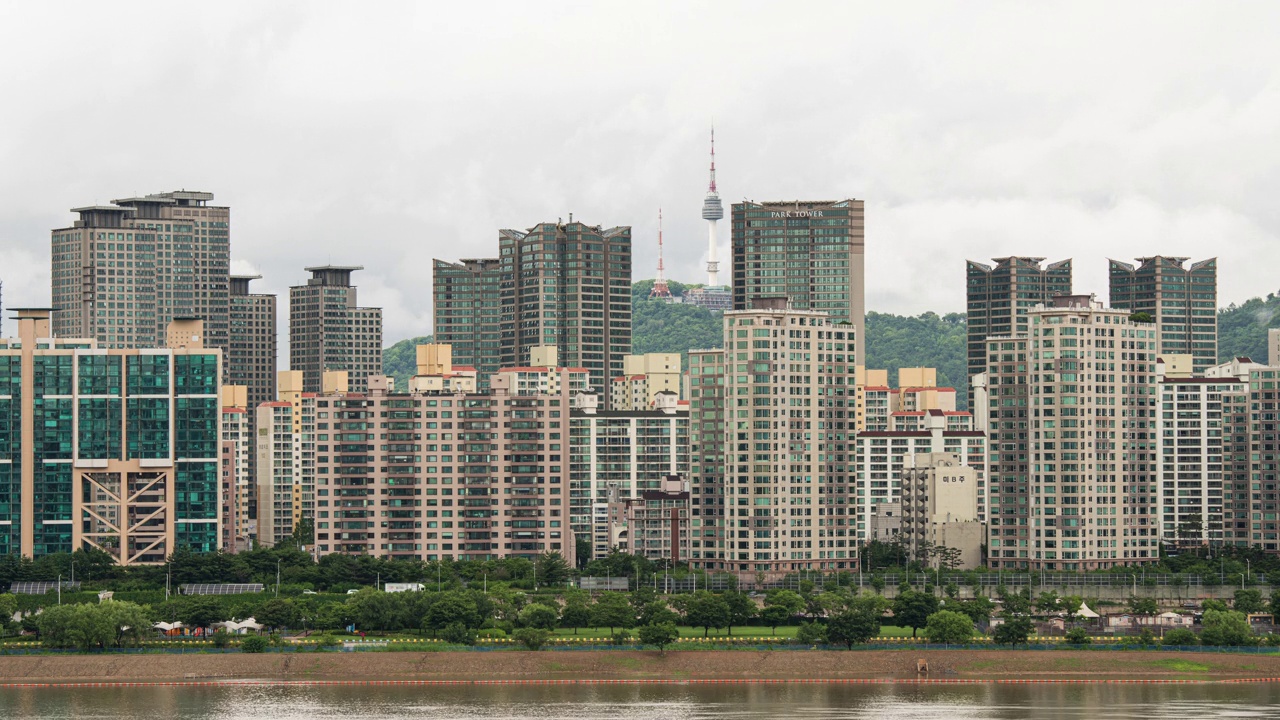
(623, 665)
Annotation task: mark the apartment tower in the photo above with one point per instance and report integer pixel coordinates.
(1182, 301)
(252, 349)
(999, 297)
(122, 271)
(1071, 415)
(790, 445)
(808, 252)
(328, 330)
(564, 285)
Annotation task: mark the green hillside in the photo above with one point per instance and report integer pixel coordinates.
(1242, 329)
(400, 361)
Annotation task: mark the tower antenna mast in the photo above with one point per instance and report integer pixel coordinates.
(660, 289)
(712, 211)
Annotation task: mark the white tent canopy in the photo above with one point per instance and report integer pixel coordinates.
(1085, 612)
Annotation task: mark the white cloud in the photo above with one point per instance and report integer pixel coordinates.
(390, 134)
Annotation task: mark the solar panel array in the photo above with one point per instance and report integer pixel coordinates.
(40, 588)
(219, 588)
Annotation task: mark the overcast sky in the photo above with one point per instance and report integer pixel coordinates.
(385, 134)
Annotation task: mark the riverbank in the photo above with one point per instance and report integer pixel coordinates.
(636, 665)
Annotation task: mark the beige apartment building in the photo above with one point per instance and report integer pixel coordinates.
(940, 511)
(1071, 412)
(431, 476)
(643, 378)
(789, 389)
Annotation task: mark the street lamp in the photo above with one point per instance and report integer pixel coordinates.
(277, 577)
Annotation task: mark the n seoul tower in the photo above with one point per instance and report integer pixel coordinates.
(712, 211)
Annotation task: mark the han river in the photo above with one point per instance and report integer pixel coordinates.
(623, 702)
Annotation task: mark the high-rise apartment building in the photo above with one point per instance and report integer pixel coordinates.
(466, 311)
(328, 330)
(1000, 296)
(113, 449)
(1182, 302)
(430, 476)
(252, 347)
(1070, 408)
(789, 384)
(624, 452)
(236, 449)
(566, 285)
(122, 271)
(1273, 347)
(643, 378)
(1194, 478)
(707, 418)
(809, 252)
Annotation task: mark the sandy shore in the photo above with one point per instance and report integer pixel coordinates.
(641, 665)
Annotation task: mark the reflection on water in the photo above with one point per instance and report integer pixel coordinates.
(1051, 702)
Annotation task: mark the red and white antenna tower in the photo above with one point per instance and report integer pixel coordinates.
(660, 289)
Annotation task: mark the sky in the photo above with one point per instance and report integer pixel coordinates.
(388, 134)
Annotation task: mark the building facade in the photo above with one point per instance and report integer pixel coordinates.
(654, 524)
(1182, 301)
(113, 449)
(1194, 476)
(565, 285)
(643, 378)
(252, 347)
(707, 418)
(809, 252)
(623, 452)
(328, 330)
(883, 456)
(999, 296)
(1071, 413)
(789, 384)
(939, 520)
(122, 271)
(460, 476)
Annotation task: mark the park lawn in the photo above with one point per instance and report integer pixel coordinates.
(784, 631)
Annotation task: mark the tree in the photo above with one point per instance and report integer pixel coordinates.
(1248, 600)
(656, 612)
(201, 611)
(612, 611)
(1077, 636)
(253, 644)
(853, 626)
(978, 608)
(8, 608)
(541, 616)
(707, 610)
(450, 607)
(661, 634)
(1178, 637)
(775, 615)
(949, 627)
(576, 614)
(787, 599)
(1226, 628)
(1213, 604)
(277, 613)
(1013, 631)
(741, 609)
(532, 638)
(1014, 603)
(913, 608)
(552, 569)
(1047, 602)
(812, 633)
(1142, 606)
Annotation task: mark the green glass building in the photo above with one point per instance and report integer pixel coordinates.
(1182, 302)
(109, 449)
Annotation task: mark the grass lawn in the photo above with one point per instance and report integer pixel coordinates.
(785, 631)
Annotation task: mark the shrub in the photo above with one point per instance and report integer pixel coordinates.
(1146, 637)
(1181, 636)
(253, 644)
(492, 632)
(221, 639)
(459, 634)
(326, 641)
(812, 633)
(621, 637)
(532, 638)
(1077, 636)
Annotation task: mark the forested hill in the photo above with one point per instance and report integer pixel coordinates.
(1242, 329)
(893, 341)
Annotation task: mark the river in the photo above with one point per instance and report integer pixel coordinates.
(797, 702)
